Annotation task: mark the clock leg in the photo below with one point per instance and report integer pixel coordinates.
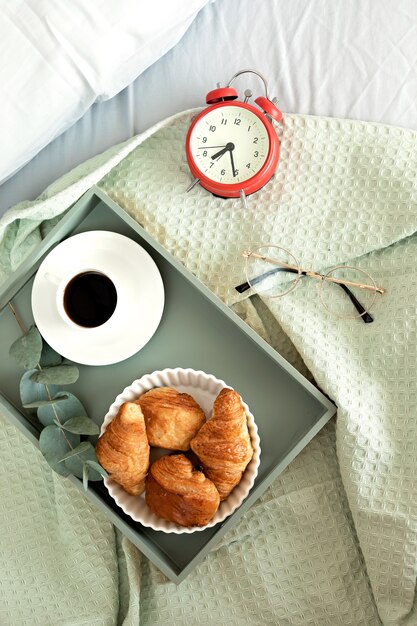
(193, 184)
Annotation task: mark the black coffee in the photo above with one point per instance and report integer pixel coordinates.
(90, 299)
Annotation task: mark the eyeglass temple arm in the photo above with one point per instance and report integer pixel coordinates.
(258, 279)
(367, 317)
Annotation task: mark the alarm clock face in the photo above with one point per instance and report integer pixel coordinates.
(229, 144)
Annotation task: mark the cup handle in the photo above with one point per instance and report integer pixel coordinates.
(52, 278)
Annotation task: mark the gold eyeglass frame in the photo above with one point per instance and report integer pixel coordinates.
(323, 278)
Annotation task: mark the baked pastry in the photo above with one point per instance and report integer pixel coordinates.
(172, 418)
(123, 449)
(177, 492)
(223, 444)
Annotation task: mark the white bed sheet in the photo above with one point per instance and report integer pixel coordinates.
(59, 58)
(354, 59)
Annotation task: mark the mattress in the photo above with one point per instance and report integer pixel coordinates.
(347, 60)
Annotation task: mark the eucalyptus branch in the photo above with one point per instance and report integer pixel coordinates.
(17, 317)
(59, 440)
(48, 392)
(39, 367)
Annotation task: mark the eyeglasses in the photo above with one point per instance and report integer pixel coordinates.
(345, 291)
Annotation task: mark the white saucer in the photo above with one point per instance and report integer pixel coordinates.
(140, 294)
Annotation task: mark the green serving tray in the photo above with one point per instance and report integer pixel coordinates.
(197, 331)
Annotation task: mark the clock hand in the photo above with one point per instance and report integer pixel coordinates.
(209, 147)
(229, 146)
(232, 162)
(220, 153)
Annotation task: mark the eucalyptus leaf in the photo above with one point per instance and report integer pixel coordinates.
(75, 465)
(33, 392)
(54, 444)
(98, 468)
(57, 375)
(49, 357)
(62, 411)
(82, 425)
(85, 476)
(82, 447)
(39, 403)
(27, 349)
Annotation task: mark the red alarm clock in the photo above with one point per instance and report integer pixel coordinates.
(232, 147)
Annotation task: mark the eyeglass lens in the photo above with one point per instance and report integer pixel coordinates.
(347, 299)
(272, 271)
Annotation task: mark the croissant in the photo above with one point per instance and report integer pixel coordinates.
(223, 443)
(179, 493)
(123, 449)
(172, 418)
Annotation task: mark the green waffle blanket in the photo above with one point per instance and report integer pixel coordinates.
(334, 540)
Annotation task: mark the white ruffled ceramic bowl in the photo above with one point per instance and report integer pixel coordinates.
(204, 388)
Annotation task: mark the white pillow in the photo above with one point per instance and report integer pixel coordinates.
(57, 58)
